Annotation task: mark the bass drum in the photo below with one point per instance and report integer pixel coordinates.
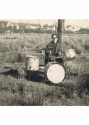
(55, 73)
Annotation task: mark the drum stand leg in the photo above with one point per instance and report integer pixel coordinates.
(45, 78)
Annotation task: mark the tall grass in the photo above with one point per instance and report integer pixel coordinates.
(13, 47)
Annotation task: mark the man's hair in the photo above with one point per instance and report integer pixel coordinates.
(54, 36)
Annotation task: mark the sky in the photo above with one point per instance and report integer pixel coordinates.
(78, 23)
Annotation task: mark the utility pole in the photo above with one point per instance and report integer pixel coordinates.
(60, 31)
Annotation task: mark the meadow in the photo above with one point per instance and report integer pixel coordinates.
(13, 47)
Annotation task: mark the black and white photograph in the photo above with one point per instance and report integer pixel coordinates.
(44, 62)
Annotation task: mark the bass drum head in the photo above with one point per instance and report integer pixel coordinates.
(55, 73)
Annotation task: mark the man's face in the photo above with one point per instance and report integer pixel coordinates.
(54, 36)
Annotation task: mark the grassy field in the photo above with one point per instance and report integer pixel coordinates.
(23, 92)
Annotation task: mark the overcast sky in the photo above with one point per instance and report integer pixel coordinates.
(79, 23)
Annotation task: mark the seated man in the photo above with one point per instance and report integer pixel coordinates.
(51, 48)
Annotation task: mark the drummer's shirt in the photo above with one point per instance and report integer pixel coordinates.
(51, 48)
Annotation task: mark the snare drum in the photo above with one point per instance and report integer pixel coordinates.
(32, 63)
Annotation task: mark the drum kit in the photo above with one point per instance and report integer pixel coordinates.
(54, 72)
